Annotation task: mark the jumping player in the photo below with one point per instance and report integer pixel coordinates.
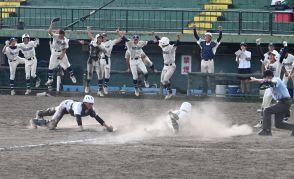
(58, 54)
(135, 62)
(27, 47)
(96, 53)
(208, 50)
(169, 66)
(74, 108)
(11, 50)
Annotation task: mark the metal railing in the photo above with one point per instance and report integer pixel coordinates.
(160, 20)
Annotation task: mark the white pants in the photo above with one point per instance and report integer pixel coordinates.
(13, 65)
(285, 80)
(167, 73)
(207, 66)
(54, 61)
(31, 67)
(267, 98)
(105, 68)
(146, 60)
(95, 65)
(137, 65)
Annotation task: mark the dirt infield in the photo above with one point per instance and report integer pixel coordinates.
(133, 152)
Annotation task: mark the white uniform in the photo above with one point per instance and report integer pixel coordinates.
(108, 45)
(57, 46)
(135, 58)
(30, 57)
(181, 115)
(169, 56)
(288, 63)
(146, 60)
(13, 60)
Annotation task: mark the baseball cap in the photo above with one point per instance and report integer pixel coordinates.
(243, 44)
(208, 33)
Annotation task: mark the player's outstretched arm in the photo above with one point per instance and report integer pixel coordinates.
(50, 32)
(121, 34)
(196, 34)
(109, 128)
(90, 34)
(6, 45)
(220, 30)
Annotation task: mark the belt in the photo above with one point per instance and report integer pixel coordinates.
(207, 59)
(137, 58)
(57, 50)
(284, 100)
(12, 60)
(32, 58)
(168, 64)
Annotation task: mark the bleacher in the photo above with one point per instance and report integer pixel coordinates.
(7, 10)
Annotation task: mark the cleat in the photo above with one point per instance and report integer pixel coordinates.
(38, 83)
(100, 93)
(147, 85)
(28, 91)
(265, 132)
(168, 96)
(173, 115)
(49, 82)
(258, 125)
(12, 92)
(73, 79)
(105, 89)
(137, 93)
(87, 89)
(52, 125)
(33, 123)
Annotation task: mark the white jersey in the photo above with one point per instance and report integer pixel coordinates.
(275, 68)
(288, 62)
(12, 54)
(136, 49)
(108, 45)
(243, 62)
(277, 55)
(59, 44)
(169, 54)
(28, 50)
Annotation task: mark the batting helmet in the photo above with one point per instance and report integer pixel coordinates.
(186, 107)
(164, 41)
(88, 99)
(25, 36)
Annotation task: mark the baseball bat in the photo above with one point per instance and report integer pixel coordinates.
(85, 17)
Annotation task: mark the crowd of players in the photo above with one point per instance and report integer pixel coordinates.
(100, 49)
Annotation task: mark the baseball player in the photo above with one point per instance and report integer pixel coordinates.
(183, 113)
(58, 54)
(169, 66)
(27, 47)
(106, 62)
(96, 52)
(287, 68)
(281, 94)
(135, 62)
(74, 108)
(11, 50)
(208, 50)
(270, 62)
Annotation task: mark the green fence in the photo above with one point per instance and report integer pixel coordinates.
(160, 20)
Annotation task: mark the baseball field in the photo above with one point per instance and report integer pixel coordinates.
(218, 142)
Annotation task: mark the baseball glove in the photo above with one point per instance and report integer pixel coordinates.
(55, 19)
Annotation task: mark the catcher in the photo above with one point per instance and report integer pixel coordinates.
(74, 108)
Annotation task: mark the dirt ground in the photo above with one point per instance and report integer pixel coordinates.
(135, 152)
